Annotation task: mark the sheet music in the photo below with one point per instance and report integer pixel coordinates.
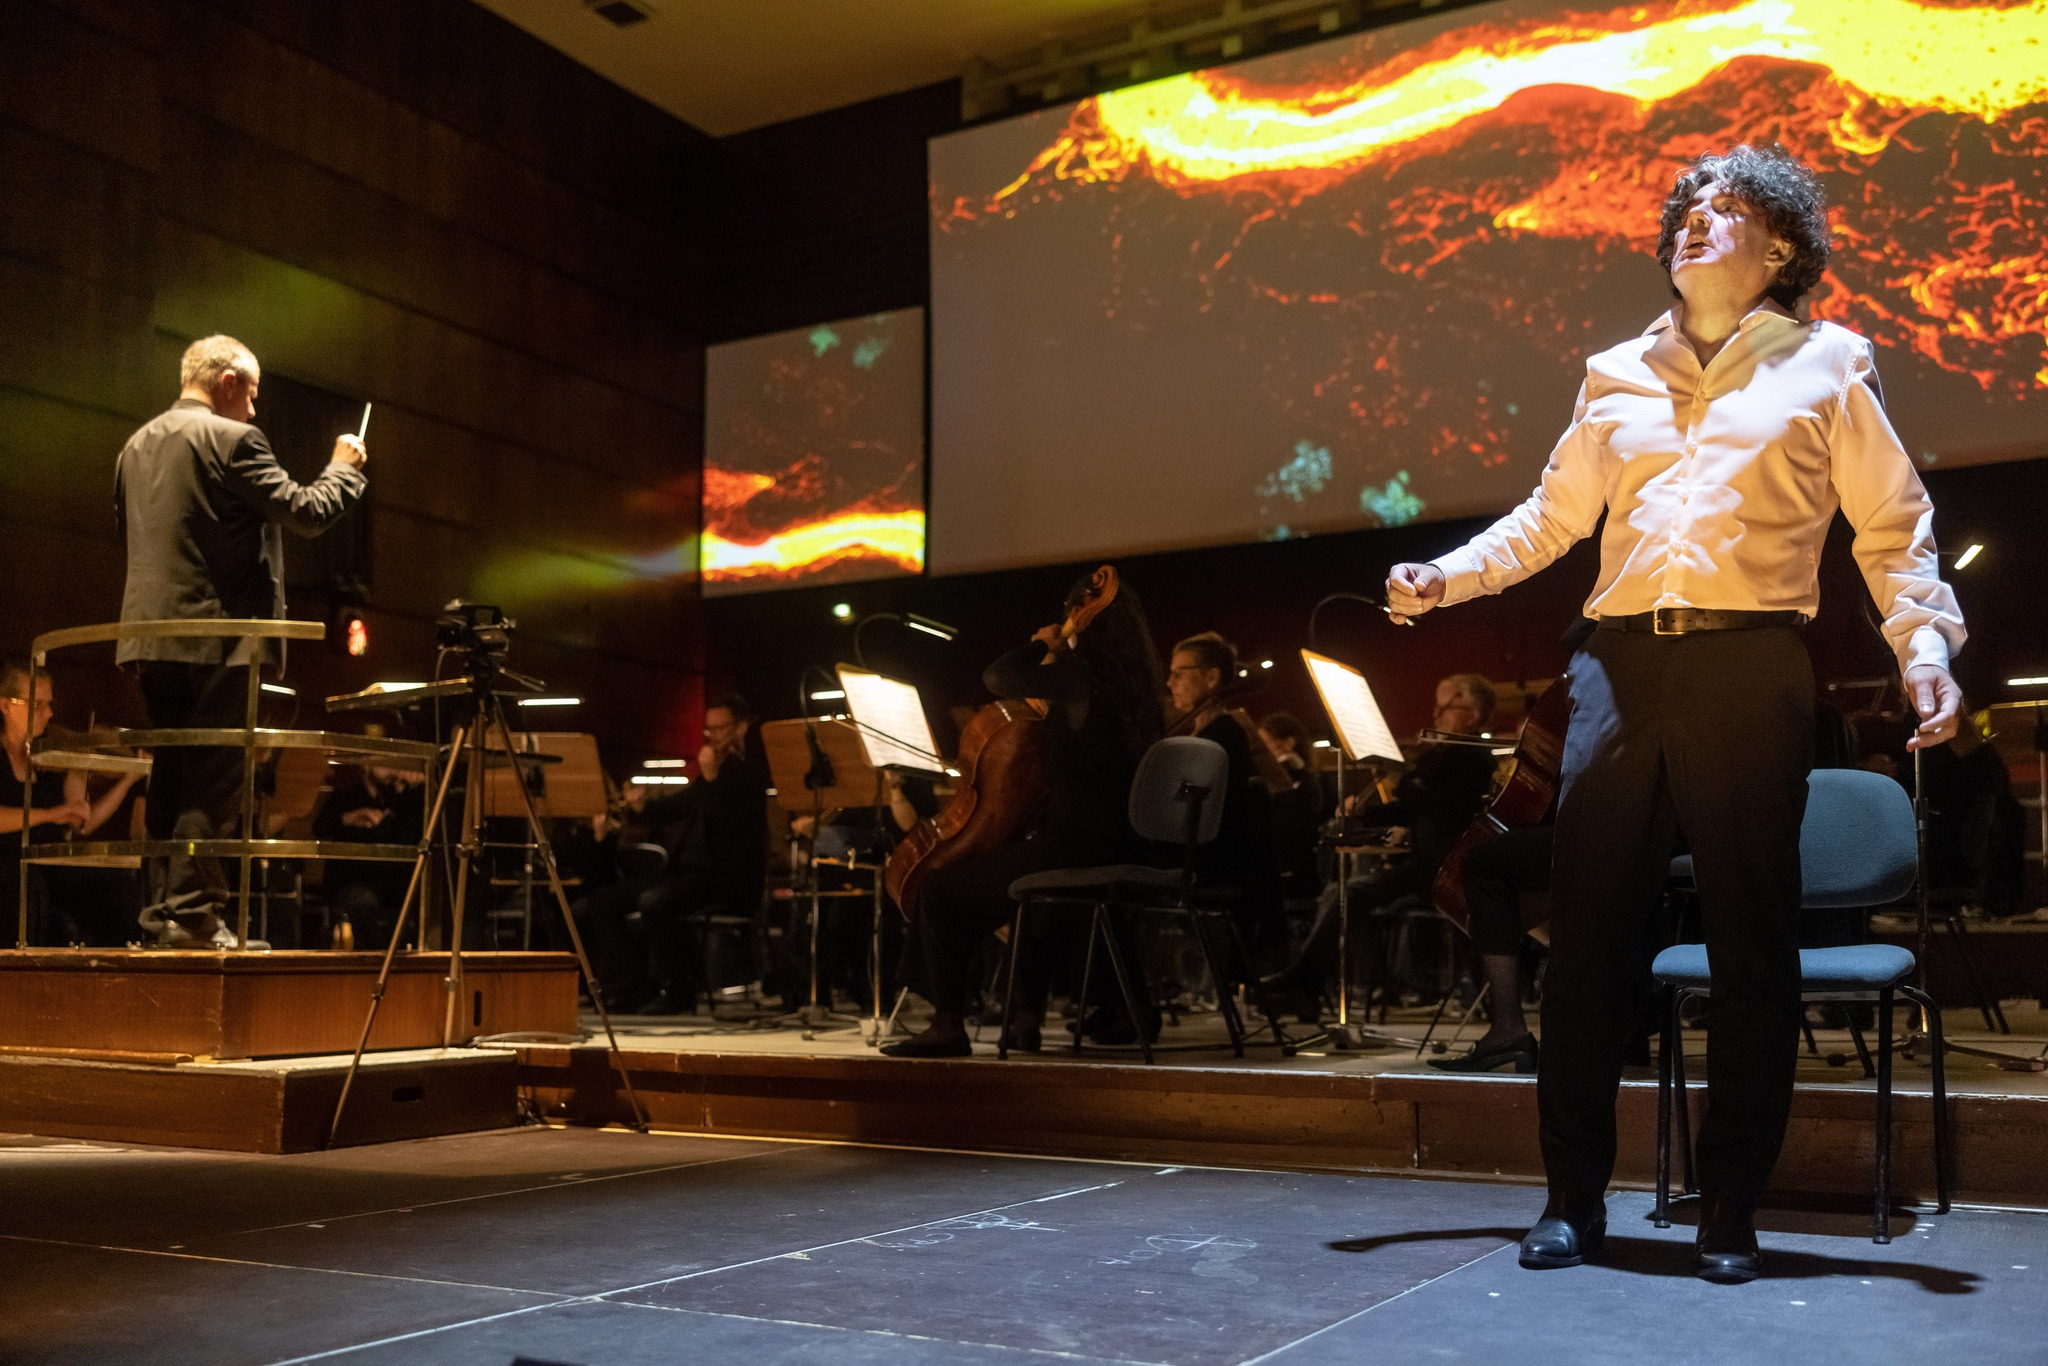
(1348, 699)
(891, 721)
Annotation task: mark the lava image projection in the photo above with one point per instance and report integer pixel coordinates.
(1355, 284)
(814, 455)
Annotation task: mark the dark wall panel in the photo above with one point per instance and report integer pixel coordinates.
(407, 201)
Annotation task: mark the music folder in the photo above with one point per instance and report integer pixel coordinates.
(890, 718)
(1347, 697)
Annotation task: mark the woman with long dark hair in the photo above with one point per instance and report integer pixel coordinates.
(1100, 687)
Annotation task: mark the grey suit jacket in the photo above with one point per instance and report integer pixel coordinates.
(200, 501)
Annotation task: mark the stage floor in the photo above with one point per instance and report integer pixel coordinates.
(1199, 1040)
(584, 1246)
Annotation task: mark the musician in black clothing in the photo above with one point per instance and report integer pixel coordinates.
(60, 806)
(1300, 810)
(1101, 689)
(1199, 681)
(1433, 802)
(383, 806)
(716, 834)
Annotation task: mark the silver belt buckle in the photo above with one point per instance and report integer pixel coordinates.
(1660, 616)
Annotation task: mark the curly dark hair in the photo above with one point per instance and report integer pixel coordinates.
(1786, 192)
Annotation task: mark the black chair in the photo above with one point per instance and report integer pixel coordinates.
(1857, 849)
(1176, 798)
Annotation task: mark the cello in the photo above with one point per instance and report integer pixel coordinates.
(1527, 799)
(1002, 772)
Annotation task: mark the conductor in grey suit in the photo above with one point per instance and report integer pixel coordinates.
(201, 502)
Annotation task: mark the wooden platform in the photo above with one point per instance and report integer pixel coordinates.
(260, 1107)
(1246, 1115)
(164, 1006)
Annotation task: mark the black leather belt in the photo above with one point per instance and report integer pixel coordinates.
(1679, 621)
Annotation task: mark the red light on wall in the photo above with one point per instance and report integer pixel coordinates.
(356, 635)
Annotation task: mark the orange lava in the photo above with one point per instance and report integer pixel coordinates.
(1588, 118)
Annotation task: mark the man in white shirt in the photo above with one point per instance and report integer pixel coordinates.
(1719, 444)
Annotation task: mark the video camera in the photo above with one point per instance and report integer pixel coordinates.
(474, 628)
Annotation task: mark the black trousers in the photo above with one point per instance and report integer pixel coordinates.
(1496, 875)
(1710, 734)
(194, 793)
(964, 903)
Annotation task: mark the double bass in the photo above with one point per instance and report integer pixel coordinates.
(1527, 799)
(1002, 773)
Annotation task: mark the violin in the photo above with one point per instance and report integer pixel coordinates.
(1527, 799)
(1198, 718)
(1002, 779)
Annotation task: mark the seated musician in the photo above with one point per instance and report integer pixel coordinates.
(1432, 802)
(1497, 875)
(1299, 811)
(1201, 677)
(59, 807)
(380, 806)
(1100, 686)
(716, 834)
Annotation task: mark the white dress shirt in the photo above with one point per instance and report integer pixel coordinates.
(1719, 484)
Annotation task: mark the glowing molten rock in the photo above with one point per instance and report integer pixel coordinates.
(1977, 61)
(813, 547)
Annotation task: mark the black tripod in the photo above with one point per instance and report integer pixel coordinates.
(486, 721)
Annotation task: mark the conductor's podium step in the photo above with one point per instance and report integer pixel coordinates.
(273, 1106)
(163, 1007)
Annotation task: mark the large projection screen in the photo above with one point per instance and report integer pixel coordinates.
(814, 455)
(1355, 284)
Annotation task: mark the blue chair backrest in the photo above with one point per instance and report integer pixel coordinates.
(1168, 774)
(1857, 845)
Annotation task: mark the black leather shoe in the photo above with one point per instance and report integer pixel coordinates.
(930, 1045)
(1024, 1038)
(1517, 1053)
(1726, 1252)
(1560, 1242)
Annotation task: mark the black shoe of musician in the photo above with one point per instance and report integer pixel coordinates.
(1023, 1038)
(1726, 1252)
(1560, 1240)
(930, 1045)
(1517, 1053)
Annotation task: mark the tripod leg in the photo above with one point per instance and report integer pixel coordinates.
(415, 893)
(547, 858)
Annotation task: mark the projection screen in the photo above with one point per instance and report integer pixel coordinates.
(1354, 284)
(814, 455)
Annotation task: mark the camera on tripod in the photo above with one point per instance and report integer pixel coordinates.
(476, 629)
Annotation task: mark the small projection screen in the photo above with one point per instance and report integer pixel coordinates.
(814, 455)
(1355, 284)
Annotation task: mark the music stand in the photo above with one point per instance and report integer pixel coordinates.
(895, 734)
(1362, 736)
(566, 780)
(818, 766)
